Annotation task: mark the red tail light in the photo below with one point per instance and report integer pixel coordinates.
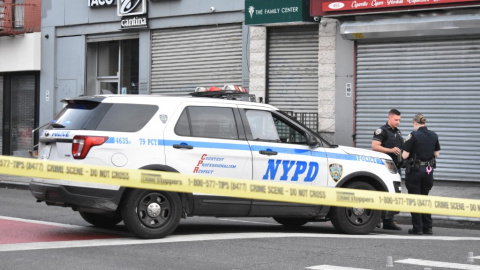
(82, 144)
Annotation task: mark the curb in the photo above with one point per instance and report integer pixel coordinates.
(468, 223)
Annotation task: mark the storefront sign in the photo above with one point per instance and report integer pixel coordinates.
(133, 13)
(276, 11)
(131, 7)
(134, 22)
(101, 3)
(336, 8)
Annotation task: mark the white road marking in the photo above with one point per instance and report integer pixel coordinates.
(42, 222)
(333, 267)
(439, 264)
(248, 221)
(63, 225)
(198, 237)
(209, 237)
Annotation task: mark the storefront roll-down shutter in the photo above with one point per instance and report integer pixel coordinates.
(440, 79)
(293, 68)
(184, 58)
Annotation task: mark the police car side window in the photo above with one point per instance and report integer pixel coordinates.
(182, 128)
(208, 122)
(262, 125)
(287, 133)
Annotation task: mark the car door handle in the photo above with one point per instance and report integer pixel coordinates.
(268, 153)
(182, 146)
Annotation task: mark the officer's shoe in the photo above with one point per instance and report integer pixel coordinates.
(427, 231)
(412, 231)
(391, 226)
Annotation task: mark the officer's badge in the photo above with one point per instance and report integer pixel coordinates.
(378, 131)
(336, 171)
(163, 118)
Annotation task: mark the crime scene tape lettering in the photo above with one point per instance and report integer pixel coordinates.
(250, 189)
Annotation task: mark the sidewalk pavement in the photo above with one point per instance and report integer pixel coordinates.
(455, 189)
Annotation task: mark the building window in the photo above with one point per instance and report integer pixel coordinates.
(2, 14)
(19, 13)
(112, 67)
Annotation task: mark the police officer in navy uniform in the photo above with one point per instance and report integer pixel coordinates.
(388, 139)
(421, 148)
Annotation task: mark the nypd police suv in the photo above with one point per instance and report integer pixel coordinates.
(224, 137)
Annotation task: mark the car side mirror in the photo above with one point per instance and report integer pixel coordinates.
(311, 140)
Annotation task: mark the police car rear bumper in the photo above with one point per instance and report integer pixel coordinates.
(79, 198)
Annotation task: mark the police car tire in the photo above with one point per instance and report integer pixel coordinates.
(291, 222)
(346, 220)
(104, 220)
(151, 214)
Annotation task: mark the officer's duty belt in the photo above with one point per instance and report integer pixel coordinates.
(424, 163)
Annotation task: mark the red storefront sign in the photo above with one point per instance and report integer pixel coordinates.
(340, 7)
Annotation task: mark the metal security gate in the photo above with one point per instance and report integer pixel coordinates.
(293, 68)
(440, 79)
(184, 58)
(22, 114)
(1, 114)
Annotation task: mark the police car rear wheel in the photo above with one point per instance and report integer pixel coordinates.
(355, 220)
(151, 214)
(104, 220)
(291, 222)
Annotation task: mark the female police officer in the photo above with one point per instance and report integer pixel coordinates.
(421, 148)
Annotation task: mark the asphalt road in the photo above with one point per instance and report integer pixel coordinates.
(36, 236)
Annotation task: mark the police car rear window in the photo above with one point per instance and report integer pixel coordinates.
(104, 116)
(127, 117)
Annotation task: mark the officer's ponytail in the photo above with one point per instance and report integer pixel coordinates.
(419, 118)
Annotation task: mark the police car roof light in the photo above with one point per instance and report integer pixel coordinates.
(228, 91)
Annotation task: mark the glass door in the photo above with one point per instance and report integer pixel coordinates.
(112, 67)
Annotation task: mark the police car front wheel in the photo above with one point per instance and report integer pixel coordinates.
(355, 220)
(151, 214)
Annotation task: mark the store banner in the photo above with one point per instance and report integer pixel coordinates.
(276, 11)
(340, 7)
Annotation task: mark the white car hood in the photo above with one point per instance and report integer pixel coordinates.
(363, 152)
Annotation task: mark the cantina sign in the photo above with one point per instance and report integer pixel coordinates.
(329, 7)
(133, 13)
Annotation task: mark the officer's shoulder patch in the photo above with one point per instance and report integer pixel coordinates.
(409, 137)
(378, 131)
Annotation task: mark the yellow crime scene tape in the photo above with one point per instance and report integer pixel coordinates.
(250, 189)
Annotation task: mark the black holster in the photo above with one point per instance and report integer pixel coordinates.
(411, 164)
(433, 163)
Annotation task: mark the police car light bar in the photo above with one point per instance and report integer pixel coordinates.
(227, 87)
(228, 91)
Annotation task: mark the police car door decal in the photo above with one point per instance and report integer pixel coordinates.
(280, 151)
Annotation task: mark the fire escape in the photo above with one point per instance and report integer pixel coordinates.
(18, 19)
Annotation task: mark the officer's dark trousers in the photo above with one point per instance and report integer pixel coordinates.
(420, 182)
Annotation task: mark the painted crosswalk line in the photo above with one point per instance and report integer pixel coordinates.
(430, 263)
(333, 267)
